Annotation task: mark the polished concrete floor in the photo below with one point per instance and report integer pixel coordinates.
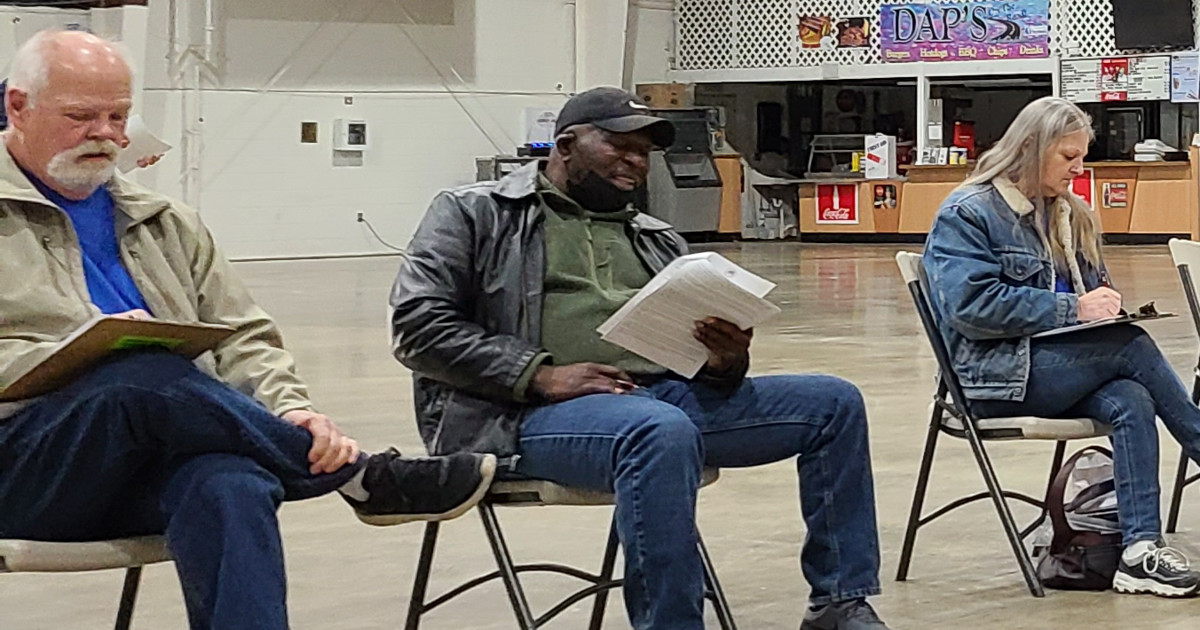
(845, 311)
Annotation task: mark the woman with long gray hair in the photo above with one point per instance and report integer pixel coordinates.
(1013, 252)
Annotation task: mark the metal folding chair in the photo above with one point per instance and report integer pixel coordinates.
(131, 554)
(1186, 255)
(951, 415)
(544, 493)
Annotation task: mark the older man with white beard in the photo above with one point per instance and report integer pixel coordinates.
(147, 442)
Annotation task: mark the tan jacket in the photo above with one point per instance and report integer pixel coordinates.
(172, 258)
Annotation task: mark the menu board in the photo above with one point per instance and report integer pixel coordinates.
(1185, 77)
(1116, 79)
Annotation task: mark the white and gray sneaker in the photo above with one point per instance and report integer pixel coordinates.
(1162, 571)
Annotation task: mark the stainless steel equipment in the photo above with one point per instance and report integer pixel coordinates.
(497, 166)
(684, 187)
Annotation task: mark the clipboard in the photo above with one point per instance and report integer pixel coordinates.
(104, 335)
(1130, 318)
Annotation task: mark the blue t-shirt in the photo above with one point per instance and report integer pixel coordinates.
(109, 283)
(1062, 282)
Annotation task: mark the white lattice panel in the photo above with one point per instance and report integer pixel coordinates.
(729, 34)
(706, 34)
(764, 33)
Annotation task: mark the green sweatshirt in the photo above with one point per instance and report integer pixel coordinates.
(591, 271)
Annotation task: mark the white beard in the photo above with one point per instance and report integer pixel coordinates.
(68, 172)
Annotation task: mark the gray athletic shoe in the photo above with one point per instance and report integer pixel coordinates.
(855, 614)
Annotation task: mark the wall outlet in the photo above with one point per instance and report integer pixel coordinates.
(360, 217)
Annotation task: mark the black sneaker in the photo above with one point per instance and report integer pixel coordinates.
(406, 489)
(1164, 572)
(855, 614)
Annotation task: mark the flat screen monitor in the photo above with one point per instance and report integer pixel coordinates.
(1142, 24)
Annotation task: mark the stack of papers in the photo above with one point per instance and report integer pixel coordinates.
(659, 322)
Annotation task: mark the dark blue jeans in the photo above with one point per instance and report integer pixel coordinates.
(651, 445)
(146, 444)
(1116, 375)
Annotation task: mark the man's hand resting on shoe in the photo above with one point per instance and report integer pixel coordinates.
(331, 449)
(557, 383)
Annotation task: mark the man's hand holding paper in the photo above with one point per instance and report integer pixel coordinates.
(728, 346)
(698, 311)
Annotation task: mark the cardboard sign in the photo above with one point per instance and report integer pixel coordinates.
(1185, 78)
(885, 197)
(965, 31)
(1116, 195)
(1084, 187)
(1114, 80)
(837, 204)
(816, 31)
(879, 160)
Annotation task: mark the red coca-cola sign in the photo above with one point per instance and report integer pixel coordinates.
(1085, 187)
(837, 203)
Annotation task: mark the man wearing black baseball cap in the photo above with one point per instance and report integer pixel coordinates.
(613, 109)
(495, 310)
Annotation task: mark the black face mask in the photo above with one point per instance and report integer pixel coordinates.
(600, 195)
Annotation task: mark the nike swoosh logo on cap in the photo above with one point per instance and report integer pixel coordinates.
(637, 105)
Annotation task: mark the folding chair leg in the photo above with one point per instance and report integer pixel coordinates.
(1181, 472)
(416, 603)
(606, 573)
(1006, 517)
(918, 502)
(133, 577)
(508, 572)
(1177, 492)
(720, 604)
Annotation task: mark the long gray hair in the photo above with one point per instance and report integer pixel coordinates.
(1020, 156)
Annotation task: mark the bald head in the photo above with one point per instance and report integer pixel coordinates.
(55, 52)
(68, 97)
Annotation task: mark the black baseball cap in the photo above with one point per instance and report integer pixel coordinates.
(613, 109)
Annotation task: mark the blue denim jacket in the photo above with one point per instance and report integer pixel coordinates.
(991, 277)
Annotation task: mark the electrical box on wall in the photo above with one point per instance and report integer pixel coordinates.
(349, 135)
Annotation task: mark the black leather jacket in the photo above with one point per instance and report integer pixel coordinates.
(467, 308)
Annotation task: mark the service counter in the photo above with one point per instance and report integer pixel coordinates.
(1136, 198)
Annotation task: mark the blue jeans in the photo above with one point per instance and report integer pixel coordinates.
(145, 444)
(650, 446)
(1116, 375)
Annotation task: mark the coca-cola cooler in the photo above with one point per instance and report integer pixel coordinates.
(684, 187)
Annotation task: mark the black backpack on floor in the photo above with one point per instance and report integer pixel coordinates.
(1083, 557)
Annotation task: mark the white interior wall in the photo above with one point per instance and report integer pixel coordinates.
(435, 95)
(438, 81)
(655, 42)
(18, 24)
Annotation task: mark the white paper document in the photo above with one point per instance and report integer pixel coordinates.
(142, 144)
(658, 323)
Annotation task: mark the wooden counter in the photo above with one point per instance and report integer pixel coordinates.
(924, 192)
(729, 166)
(1160, 197)
(1153, 198)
